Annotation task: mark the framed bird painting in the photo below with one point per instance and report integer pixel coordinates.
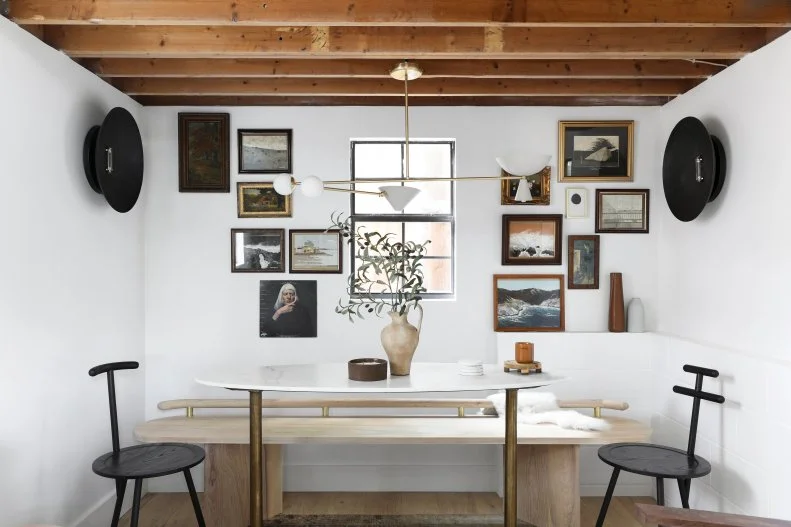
(595, 151)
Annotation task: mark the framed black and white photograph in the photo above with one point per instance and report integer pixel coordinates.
(527, 190)
(595, 151)
(287, 308)
(261, 200)
(532, 239)
(264, 151)
(315, 251)
(258, 250)
(528, 302)
(576, 203)
(583, 262)
(622, 210)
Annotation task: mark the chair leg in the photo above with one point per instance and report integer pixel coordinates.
(683, 489)
(194, 497)
(136, 503)
(660, 491)
(120, 490)
(607, 497)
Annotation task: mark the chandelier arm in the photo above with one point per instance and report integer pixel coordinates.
(432, 179)
(354, 191)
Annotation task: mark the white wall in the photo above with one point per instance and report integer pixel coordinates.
(71, 289)
(199, 314)
(724, 290)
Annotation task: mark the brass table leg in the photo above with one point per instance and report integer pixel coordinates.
(256, 492)
(510, 458)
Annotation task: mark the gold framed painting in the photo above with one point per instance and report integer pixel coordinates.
(527, 190)
(260, 200)
(595, 151)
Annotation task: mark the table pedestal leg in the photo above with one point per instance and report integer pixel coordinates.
(509, 519)
(256, 490)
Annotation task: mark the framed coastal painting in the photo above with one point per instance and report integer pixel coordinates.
(258, 250)
(532, 239)
(287, 308)
(204, 152)
(315, 251)
(264, 151)
(260, 200)
(528, 190)
(595, 151)
(529, 302)
(583, 262)
(622, 210)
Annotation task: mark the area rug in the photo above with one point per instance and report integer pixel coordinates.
(417, 520)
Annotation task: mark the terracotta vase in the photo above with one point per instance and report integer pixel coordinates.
(617, 319)
(400, 339)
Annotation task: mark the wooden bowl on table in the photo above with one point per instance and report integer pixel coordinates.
(367, 369)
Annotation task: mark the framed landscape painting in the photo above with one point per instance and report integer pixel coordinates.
(315, 251)
(583, 262)
(204, 152)
(258, 250)
(264, 151)
(528, 302)
(622, 210)
(260, 200)
(532, 239)
(595, 151)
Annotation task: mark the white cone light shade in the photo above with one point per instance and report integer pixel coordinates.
(312, 187)
(522, 164)
(398, 196)
(283, 184)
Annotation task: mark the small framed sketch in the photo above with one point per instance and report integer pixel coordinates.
(532, 239)
(264, 151)
(622, 210)
(287, 308)
(595, 151)
(527, 190)
(260, 200)
(315, 251)
(576, 203)
(528, 302)
(258, 251)
(583, 262)
(204, 152)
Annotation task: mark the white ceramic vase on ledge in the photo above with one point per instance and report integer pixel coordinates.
(635, 316)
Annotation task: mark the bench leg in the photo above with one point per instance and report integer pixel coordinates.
(226, 492)
(548, 479)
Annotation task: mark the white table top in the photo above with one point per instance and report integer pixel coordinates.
(334, 378)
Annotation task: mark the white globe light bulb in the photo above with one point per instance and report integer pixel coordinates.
(312, 186)
(283, 184)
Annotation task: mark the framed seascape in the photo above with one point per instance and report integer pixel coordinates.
(595, 151)
(264, 151)
(258, 250)
(529, 302)
(532, 239)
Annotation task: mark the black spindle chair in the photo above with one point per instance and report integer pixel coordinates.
(660, 461)
(142, 461)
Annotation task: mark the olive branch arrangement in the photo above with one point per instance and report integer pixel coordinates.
(390, 274)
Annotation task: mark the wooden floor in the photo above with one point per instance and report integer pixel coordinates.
(175, 510)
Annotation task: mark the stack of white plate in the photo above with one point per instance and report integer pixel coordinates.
(470, 367)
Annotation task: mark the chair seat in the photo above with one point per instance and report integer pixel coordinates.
(148, 461)
(653, 460)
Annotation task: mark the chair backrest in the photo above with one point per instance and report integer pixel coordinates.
(109, 369)
(697, 394)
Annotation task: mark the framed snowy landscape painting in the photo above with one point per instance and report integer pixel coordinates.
(258, 250)
(532, 239)
(529, 302)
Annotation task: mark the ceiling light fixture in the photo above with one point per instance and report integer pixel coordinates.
(515, 166)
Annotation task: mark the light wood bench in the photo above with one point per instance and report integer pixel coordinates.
(548, 456)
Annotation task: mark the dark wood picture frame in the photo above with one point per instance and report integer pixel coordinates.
(578, 261)
(532, 254)
(606, 218)
(260, 200)
(297, 252)
(595, 151)
(539, 189)
(278, 164)
(253, 259)
(530, 295)
(204, 152)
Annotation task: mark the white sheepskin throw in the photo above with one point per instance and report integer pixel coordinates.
(541, 407)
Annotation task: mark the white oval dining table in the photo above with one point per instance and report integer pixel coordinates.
(333, 378)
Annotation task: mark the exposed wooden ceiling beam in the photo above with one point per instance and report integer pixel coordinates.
(419, 88)
(404, 12)
(178, 100)
(398, 43)
(310, 68)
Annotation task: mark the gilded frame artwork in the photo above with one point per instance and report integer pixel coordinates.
(532, 239)
(260, 200)
(595, 151)
(622, 210)
(265, 151)
(258, 250)
(529, 302)
(583, 261)
(537, 192)
(204, 152)
(315, 251)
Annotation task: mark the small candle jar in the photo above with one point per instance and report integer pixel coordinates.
(523, 352)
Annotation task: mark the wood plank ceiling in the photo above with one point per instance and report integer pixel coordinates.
(472, 52)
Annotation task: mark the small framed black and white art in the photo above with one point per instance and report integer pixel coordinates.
(576, 203)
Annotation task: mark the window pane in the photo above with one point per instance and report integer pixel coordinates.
(438, 232)
(375, 160)
(437, 275)
(430, 161)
